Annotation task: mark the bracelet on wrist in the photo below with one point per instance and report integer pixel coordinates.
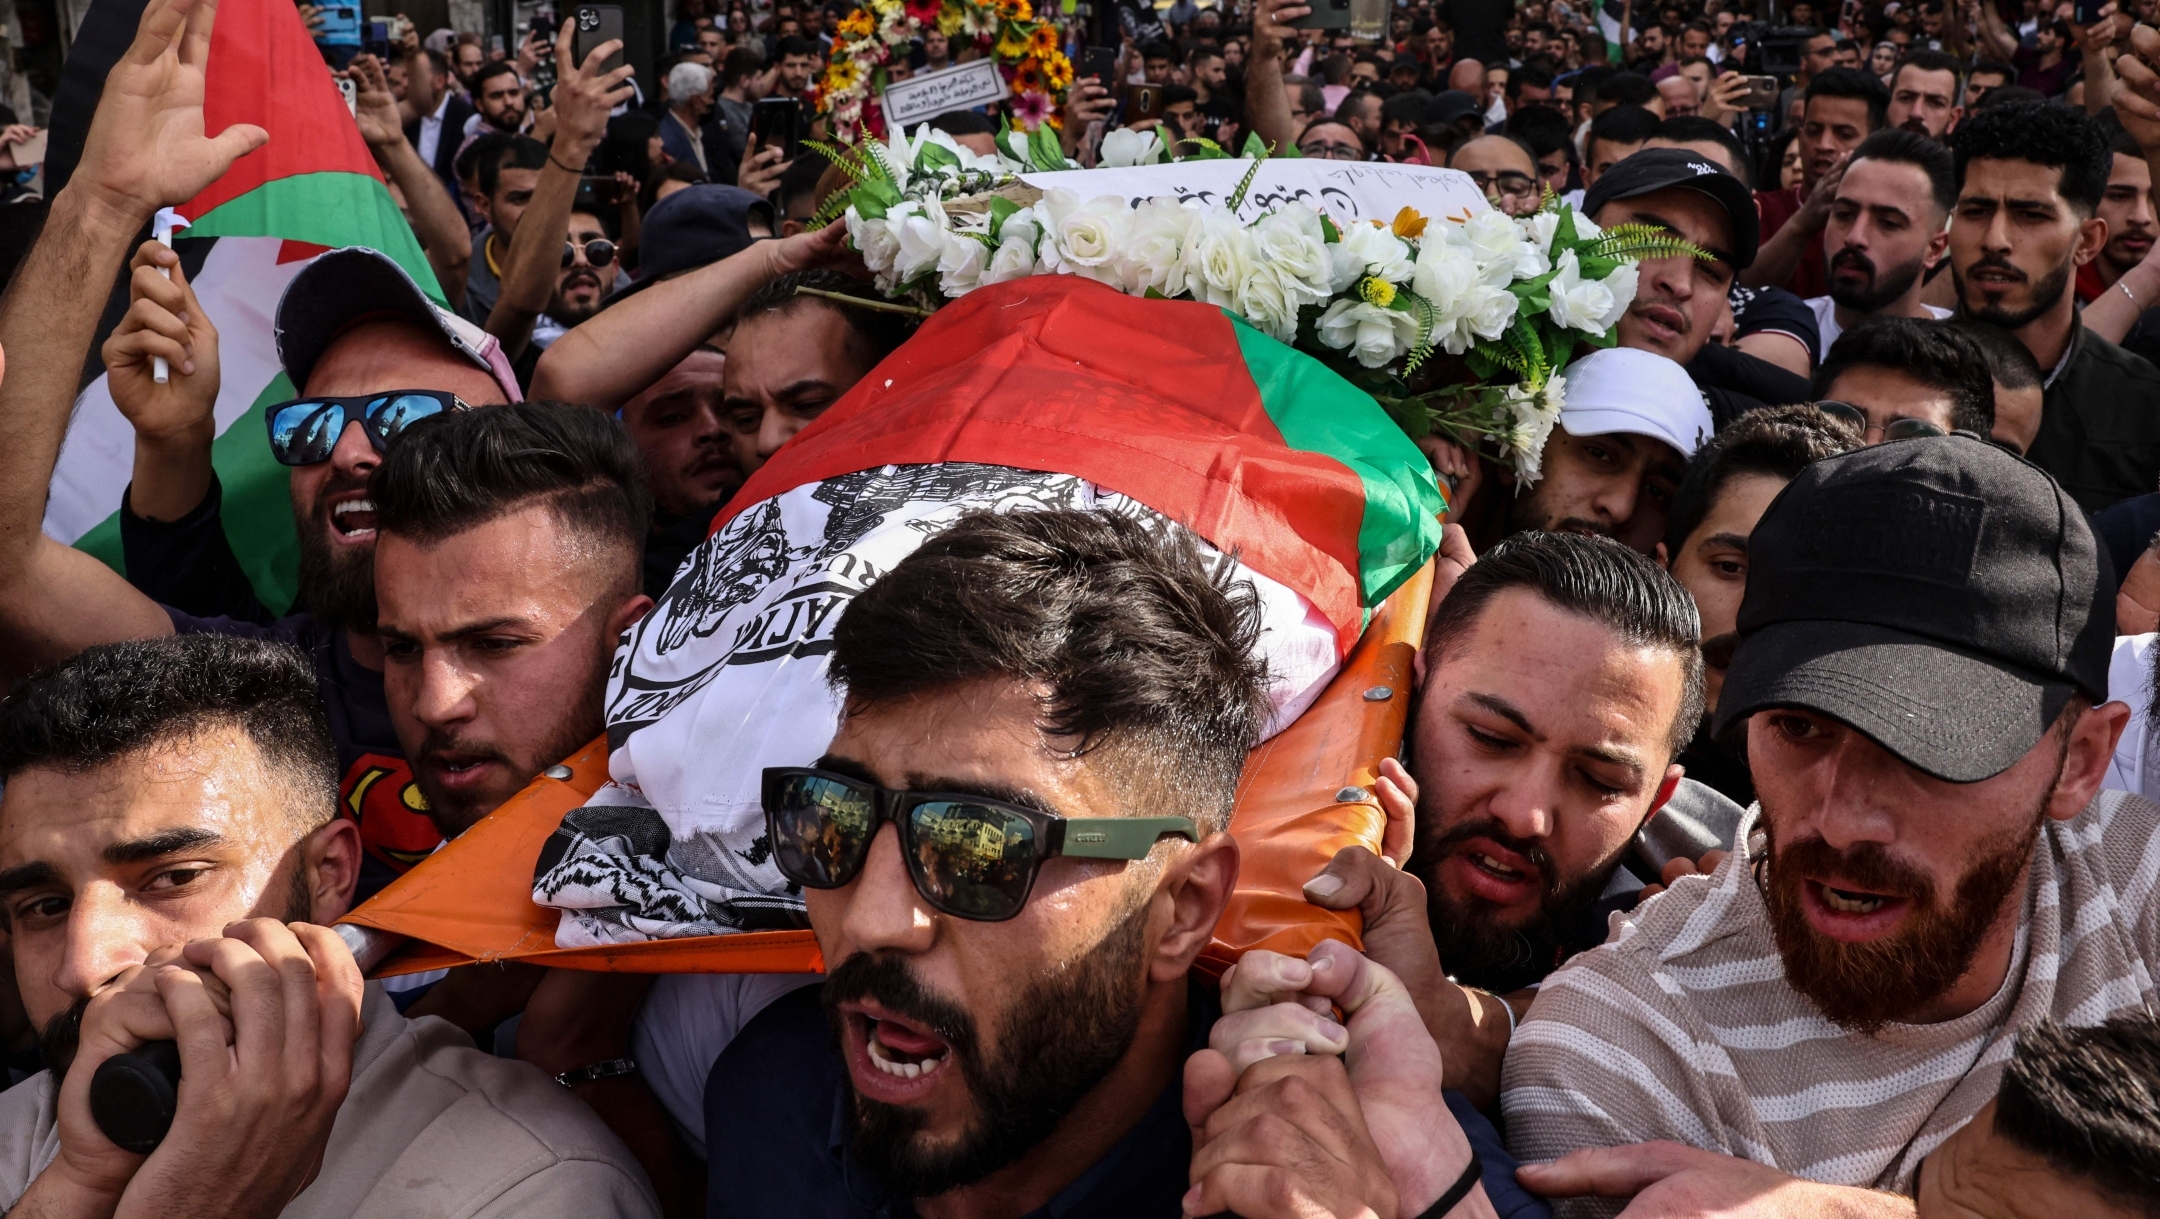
(612, 1068)
(1472, 1173)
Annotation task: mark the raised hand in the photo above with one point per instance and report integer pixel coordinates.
(147, 148)
(375, 107)
(164, 319)
(2137, 99)
(584, 94)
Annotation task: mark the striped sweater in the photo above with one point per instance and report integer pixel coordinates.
(1680, 1026)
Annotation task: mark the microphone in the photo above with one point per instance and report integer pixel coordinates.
(134, 1096)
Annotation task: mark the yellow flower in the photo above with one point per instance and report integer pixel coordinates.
(950, 21)
(1374, 291)
(1044, 40)
(857, 25)
(1409, 225)
(1015, 10)
(885, 8)
(841, 76)
(1011, 45)
(1057, 72)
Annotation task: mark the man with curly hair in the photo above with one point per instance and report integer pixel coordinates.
(2030, 179)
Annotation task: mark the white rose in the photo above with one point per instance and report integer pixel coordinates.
(961, 265)
(1082, 238)
(876, 241)
(1538, 230)
(1501, 251)
(921, 232)
(1014, 259)
(1123, 148)
(1293, 245)
(1269, 300)
(1380, 252)
(1492, 313)
(1444, 275)
(1586, 229)
(1375, 336)
(1217, 251)
(1152, 256)
(1588, 305)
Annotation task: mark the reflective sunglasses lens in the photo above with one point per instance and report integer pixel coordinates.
(600, 253)
(821, 830)
(972, 860)
(393, 415)
(303, 433)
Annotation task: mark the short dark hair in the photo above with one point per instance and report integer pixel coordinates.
(2087, 1101)
(1158, 49)
(1695, 129)
(2010, 362)
(489, 71)
(740, 62)
(2010, 95)
(1405, 107)
(795, 44)
(1627, 89)
(2042, 133)
(962, 122)
(1597, 578)
(1535, 77)
(872, 333)
(1928, 59)
(1173, 94)
(1992, 68)
(518, 152)
(1930, 156)
(451, 472)
(1852, 82)
(1623, 125)
(112, 700)
(1544, 130)
(1779, 441)
(1930, 352)
(1310, 98)
(1143, 647)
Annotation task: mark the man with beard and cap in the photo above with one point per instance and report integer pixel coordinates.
(1931, 866)
(1628, 423)
(353, 330)
(1886, 231)
(170, 857)
(1560, 677)
(2030, 180)
(1052, 707)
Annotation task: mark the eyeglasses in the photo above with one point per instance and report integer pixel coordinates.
(1329, 150)
(1896, 429)
(1513, 185)
(599, 251)
(969, 857)
(306, 430)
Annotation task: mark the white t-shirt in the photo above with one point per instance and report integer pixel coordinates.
(1826, 321)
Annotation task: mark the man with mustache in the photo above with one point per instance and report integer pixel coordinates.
(170, 856)
(2031, 178)
(1931, 866)
(1840, 108)
(352, 328)
(1886, 231)
(2127, 206)
(1924, 94)
(1004, 1019)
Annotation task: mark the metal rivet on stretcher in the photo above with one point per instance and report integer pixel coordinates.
(1379, 694)
(1351, 795)
(557, 771)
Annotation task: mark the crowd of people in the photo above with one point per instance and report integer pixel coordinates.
(1774, 829)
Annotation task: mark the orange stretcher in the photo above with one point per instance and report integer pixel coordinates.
(1306, 794)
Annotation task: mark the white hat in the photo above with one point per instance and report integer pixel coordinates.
(1621, 389)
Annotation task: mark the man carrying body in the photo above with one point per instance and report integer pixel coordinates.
(2030, 181)
(1843, 107)
(1924, 646)
(1886, 231)
(170, 817)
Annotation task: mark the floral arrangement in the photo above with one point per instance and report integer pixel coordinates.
(1509, 299)
(1026, 51)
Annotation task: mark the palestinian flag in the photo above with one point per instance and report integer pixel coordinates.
(314, 187)
(1613, 20)
(1182, 406)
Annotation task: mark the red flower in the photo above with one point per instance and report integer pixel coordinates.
(924, 12)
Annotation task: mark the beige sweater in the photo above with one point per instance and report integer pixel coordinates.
(431, 1129)
(1680, 1026)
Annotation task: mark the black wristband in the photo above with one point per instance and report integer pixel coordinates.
(1472, 1173)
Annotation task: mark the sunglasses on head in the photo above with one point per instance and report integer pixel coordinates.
(599, 251)
(306, 430)
(1896, 429)
(969, 856)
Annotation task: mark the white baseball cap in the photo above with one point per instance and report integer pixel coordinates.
(1621, 389)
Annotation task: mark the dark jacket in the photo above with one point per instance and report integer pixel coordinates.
(2100, 424)
(455, 116)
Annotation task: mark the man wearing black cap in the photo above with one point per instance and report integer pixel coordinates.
(1919, 687)
(1678, 300)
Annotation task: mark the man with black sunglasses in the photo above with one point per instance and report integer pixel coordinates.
(1012, 853)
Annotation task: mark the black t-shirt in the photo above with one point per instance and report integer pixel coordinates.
(1776, 311)
(1735, 383)
(188, 566)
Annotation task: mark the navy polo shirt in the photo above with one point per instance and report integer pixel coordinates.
(775, 1131)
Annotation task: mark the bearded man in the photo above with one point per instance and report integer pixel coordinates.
(1886, 232)
(1919, 681)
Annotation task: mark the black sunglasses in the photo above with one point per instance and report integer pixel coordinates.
(1896, 429)
(969, 857)
(599, 251)
(306, 430)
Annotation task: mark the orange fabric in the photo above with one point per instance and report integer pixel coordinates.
(472, 900)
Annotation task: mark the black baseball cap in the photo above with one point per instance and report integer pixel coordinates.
(695, 227)
(1656, 169)
(1449, 105)
(1938, 594)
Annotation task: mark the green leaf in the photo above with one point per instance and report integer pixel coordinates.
(1204, 150)
(1333, 234)
(1564, 233)
(1256, 149)
(1044, 151)
(1000, 208)
(868, 205)
(1289, 150)
(934, 157)
(1237, 197)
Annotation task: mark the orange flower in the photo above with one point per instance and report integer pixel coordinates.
(857, 24)
(1044, 40)
(1057, 72)
(1409, 225)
